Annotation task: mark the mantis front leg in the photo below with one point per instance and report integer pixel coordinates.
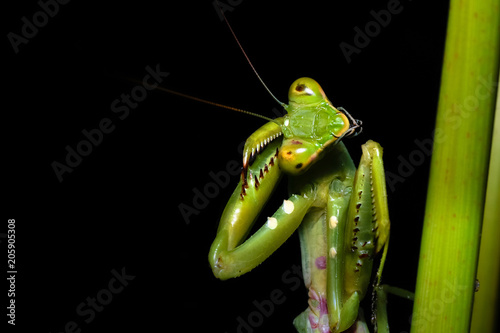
(231, 256)
(227, 263)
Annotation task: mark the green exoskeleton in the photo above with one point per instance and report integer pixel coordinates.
(341, 213)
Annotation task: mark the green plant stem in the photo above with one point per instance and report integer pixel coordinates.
(486, 305)
(459, 167)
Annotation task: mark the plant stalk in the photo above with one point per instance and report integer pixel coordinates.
(459, 168)
(486, 300)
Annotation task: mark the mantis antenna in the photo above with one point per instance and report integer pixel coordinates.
(222, 105)
(201, 100)
(248, 59)
(214, 103)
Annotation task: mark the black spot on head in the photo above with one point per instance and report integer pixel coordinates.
(298, 166)
(300, 87)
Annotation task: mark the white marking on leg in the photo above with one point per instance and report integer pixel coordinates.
(288, 206)
(333, 222)
(333, 252)
(272, 222)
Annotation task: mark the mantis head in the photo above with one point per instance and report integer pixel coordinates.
(311, 126)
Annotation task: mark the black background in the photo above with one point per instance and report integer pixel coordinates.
(119, 208)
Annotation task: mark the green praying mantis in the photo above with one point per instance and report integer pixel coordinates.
(340, 212)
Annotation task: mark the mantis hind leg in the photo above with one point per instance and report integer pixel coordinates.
(380, 318)
(379, 296)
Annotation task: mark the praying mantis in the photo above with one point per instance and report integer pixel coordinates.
(340, 212)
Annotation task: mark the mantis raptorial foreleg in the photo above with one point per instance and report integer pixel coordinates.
(231, 257)
(228, 263)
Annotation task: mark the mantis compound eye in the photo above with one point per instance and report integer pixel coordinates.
(296, 156)
(305, 91)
